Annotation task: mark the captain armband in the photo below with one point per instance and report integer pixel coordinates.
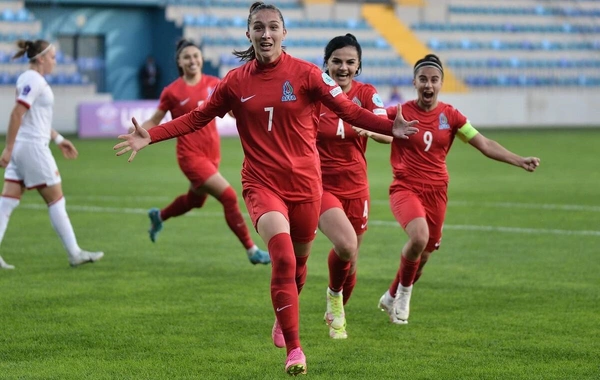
(466, 132)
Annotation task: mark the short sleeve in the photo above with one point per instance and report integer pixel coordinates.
(29, 88)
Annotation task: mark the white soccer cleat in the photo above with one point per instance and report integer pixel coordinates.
(401, 307)
(4, 265)
(386, 302)
(85, 257)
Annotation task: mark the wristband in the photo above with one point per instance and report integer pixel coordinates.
(58, 139)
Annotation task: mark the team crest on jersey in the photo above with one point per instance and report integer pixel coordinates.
(357, 101)
(288, 92)
(26, 90)
(328, 80)
(443, 122)
(377, 100)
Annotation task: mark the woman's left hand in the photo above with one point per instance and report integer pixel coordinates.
(68, 149)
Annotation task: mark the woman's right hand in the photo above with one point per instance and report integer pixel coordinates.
(135, 141)
(5, 158)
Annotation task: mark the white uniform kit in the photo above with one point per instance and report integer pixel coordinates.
(31, 162)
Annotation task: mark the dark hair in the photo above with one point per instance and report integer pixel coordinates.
(341, 42)
(431, 60)
(182, 44)
(31, 48)
(249, 54)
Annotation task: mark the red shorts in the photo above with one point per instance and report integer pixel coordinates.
(197, 169)
(411, 200)
(357, 209)
(302, 217)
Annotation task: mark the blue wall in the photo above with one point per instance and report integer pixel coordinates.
(131, 34)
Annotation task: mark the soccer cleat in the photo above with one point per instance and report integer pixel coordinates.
(277, 335)
(85, 257)
(5, 265)
(335, 316)
(296, 362)
(401, 307)
(386, 303)
(260, 257)
(156, 224)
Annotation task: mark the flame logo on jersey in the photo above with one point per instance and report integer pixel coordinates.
(443, 122)
(288, 92)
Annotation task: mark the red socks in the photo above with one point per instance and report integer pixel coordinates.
(182, 204)
(349, 286)
(284, 290)
(234, 217)
(301, 272)
(406, 274)
(338, 271)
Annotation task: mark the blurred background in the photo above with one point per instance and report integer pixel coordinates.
(508, 63)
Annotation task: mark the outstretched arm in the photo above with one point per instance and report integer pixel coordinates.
(153, 121)
(382, 139)
(495, 151)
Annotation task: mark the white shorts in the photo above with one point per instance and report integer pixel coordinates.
(32, 165)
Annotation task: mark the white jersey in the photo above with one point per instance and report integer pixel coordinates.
(34, 93)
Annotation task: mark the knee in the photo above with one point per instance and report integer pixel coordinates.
(346, 250)
(196, 200)
(418, 241)
(228, 197)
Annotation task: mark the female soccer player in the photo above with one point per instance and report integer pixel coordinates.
(276, 101)
(418, 194)
(345, 202)
(27, 158)
(198, 153)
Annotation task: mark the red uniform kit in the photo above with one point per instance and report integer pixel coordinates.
(421, 179)
(198, 153)
(343, 163)
(277, 109)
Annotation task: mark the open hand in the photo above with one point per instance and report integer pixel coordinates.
(402, 128)
(135, 141)
(5, 158)
(68, 149)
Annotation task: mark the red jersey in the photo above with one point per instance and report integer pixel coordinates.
(422, 158)
(277, 108)
(180, 98)
(342, 151)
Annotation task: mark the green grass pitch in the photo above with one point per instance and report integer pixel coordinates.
(513, 292)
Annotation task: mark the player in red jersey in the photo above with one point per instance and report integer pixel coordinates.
(276, 99)
(345, 202)
(198, 153)
(418, 194)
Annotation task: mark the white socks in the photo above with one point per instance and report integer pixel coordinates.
(252, 250)
(62, 225)
(7, 205)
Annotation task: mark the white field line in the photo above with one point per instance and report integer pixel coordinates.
(384, 223)
(512, 205)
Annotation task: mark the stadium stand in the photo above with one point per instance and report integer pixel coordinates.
(17, 22)
(485, 43)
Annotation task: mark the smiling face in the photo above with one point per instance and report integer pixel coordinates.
(343, 65)
(190, 61)
(428, 82)
(266, 32)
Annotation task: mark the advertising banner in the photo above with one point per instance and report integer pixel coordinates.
(110, 119)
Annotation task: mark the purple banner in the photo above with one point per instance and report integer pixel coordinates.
(110, 119)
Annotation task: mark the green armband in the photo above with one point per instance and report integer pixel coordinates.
(466, 132)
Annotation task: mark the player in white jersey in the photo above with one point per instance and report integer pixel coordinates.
(27, 158)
